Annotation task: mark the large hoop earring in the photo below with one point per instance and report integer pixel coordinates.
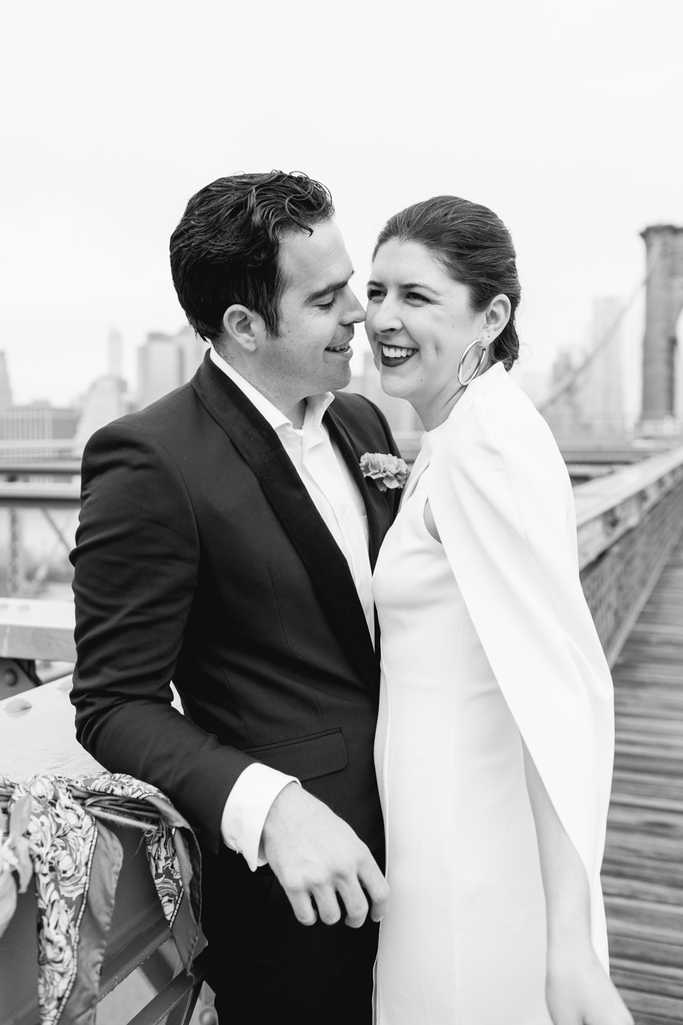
(478, 367)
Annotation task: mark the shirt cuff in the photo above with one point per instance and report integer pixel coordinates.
(247, 807)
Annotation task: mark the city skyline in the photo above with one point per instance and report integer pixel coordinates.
(538, 375)
(164, 361)
(115, 350)
(560, 117)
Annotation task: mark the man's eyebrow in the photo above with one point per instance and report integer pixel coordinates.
(335, 286)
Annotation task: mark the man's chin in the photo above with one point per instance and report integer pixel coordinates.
(343, 380)
(335, 381)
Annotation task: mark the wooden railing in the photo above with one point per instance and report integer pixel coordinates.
(628, 523)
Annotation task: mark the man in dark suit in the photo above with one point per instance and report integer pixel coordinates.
(226, 541)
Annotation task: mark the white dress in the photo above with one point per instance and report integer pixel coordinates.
(463, 941)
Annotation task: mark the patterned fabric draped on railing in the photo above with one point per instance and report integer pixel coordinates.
(76, 861)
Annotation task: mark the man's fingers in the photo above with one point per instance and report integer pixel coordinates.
(317, 856)
(324, 897)
(302, 906)
(329, 911)
(377, 889)
(355, 902)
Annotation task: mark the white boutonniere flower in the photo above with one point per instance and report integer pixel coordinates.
(387, 471)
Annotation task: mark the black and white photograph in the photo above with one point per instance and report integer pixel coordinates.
(341, 512)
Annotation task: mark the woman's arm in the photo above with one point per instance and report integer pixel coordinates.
(578, 990)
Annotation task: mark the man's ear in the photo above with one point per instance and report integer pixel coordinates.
(243, 327)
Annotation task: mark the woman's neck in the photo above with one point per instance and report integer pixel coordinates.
(437, 410)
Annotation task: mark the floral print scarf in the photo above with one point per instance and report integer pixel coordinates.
(76, 860)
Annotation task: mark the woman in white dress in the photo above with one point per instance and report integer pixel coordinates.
(495, 737)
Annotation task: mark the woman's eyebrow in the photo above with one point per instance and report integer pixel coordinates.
(407, 285)
(417, 284)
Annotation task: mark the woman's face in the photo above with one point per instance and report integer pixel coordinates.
(419, 323)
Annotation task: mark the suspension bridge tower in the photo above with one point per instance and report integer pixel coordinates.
(664, 302)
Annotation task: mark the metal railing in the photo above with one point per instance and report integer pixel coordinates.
(46, 485)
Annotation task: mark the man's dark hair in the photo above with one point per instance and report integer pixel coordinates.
(225, 249)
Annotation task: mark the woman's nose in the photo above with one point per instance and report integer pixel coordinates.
(385, 317)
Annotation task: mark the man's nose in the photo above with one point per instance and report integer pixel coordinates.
(355, 314)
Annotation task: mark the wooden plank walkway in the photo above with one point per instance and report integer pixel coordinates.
(643, 867)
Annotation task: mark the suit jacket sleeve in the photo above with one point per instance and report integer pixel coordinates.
(503, 505)
(136, 568)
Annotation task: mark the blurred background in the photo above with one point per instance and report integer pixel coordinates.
(565, 118)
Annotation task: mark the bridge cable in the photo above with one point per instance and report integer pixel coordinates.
(570, 379)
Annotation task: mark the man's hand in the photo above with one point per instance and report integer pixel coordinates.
(317, 857)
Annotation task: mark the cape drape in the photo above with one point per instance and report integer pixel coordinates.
(503, 505)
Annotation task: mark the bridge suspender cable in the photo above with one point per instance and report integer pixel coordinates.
(571, 378)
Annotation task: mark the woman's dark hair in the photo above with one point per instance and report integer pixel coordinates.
(225, 249)
(476, 249)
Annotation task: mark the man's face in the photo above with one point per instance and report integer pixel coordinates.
(311, 352)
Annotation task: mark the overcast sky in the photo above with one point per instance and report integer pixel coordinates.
(565, 118)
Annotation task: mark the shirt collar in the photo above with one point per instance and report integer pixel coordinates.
(315, 404)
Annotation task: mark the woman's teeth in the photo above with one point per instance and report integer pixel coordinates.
(394, 355)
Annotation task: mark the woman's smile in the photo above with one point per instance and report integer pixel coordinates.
(395, 355)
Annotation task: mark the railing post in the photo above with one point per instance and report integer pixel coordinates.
(15, 569)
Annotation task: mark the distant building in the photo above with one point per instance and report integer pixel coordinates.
(37, 428)
(115, 353)
(586, 395)
(5, 389)
(34, 430)
(601, 395)
(104, 401)
(107, 397)
(165, 362)
(564, 412)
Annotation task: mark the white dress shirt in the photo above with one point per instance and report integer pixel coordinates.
(329, 483)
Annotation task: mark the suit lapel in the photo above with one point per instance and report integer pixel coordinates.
(261, 449)
(375, 503)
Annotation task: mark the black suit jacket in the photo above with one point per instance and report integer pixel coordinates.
(201, 558)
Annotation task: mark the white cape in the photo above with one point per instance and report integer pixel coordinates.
(503, 505)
